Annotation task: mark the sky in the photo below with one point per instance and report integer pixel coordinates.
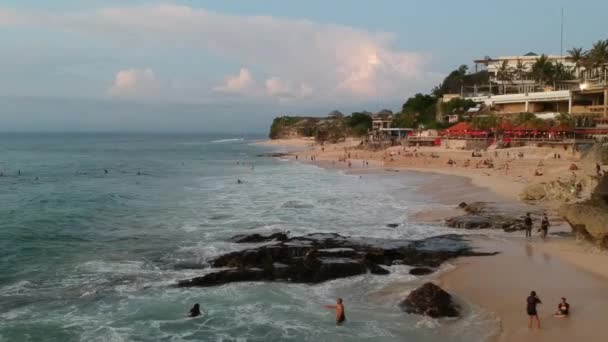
(232, 66)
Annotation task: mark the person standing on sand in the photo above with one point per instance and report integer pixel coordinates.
(528, 225)
(339, 307)
(531, 302)
(544, 226)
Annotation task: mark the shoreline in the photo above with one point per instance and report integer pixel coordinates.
(498, 284)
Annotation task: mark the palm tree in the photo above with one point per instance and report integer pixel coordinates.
(598, 55)
(520, 70)
(577, 56)
(561, 73)
(504, 73)
(542, 69)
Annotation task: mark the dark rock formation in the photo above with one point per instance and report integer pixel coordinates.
(430, 300)
(252, 238)
(392, 225)
(419, 271)
(316, 258)
(481, 215)
(273, 155)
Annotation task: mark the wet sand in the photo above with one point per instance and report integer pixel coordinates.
(501, 284)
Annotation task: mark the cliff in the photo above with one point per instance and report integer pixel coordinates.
(333, 128)
(589, 219)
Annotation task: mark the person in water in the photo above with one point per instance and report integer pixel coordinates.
(563, 308)
(195, 311)
(531, 302)
(339, 307)
(238, 181)
(528, 225)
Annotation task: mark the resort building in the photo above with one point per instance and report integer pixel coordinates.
(520, 67)
(519, 92)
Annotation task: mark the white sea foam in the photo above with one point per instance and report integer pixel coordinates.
(227, 140)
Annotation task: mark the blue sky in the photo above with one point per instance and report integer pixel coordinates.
(233, 65)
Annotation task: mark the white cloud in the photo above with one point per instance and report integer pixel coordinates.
(241, 83)
(301, 55)
(134, 83)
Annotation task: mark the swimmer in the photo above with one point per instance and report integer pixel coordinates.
(105, 171)
(339, 307)
(238, 181)
(195, 311)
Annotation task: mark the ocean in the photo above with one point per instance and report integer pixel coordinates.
(90, 255)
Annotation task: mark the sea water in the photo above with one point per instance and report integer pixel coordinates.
(96, 228)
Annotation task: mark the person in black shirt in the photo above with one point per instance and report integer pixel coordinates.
(528, 225)
(531, 303)
(195, 311)
(544, 226)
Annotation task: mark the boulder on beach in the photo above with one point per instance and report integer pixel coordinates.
(482, 215)
(430, 300)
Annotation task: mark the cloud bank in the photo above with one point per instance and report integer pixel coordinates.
(293, 59)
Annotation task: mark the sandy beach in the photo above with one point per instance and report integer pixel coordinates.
(555, 268)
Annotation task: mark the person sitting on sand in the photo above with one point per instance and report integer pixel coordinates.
(195, 311)
(339, 307)
(531, 302)
(563, 308)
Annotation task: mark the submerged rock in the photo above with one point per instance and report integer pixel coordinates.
(273, 155)
(430, 300)
(244, 238)
(419, 271)
(316, 258)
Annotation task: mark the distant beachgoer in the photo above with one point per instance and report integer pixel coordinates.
(138, 173)
(531, 302)
(195, 311)
(296, 157)
(238, 181)
(598, 169)
(339, 307)
(105, 171)
(528, 225)
(19, 172)
(544, 226)
(563, 309)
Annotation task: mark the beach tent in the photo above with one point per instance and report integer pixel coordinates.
(464, 129)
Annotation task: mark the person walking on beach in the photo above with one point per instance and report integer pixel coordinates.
(528, 225)
(544, 226)
(339, 307)
(531, 304)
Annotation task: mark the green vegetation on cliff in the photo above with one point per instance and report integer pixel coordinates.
(335, 127)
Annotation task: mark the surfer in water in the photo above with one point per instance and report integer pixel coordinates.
(195, 311)
(238, 181)
(339, 307)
